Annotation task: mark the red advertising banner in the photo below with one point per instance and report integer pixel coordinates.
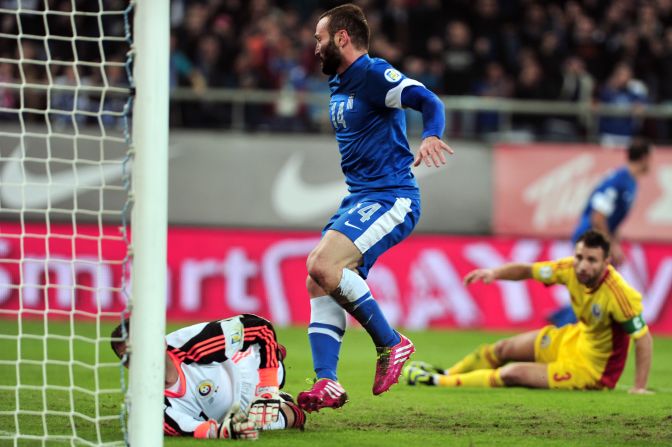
(214, 273)
(541, 190)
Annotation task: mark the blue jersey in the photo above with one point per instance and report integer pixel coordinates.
(366, 113)
(613, 197)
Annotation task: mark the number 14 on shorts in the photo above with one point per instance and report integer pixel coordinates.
(365, 212)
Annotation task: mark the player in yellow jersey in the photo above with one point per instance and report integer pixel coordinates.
(589, 354)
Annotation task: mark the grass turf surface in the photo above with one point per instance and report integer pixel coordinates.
(422, 416)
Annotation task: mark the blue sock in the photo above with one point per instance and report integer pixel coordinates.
(325, 355)
(325, 334)
(365, 309)
(370, 316)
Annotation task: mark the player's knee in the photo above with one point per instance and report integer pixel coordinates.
(503, 350)
(511, 375)
(321, 271)
(314, 290)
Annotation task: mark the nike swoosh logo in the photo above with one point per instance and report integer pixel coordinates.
(296, 200)
(24, 189)
(348, 224)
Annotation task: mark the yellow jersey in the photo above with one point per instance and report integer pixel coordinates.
(607, 316)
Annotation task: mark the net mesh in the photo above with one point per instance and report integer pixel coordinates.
(65, 102)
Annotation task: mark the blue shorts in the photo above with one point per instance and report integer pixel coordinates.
(375, 222)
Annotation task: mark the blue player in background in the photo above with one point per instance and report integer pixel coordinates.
(383, 207)
(607, 208)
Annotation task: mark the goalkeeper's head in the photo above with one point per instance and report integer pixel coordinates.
(118, 342)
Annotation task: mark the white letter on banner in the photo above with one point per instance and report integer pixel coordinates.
(271, 270)
(101, 280)
(515, 295)
(235, 271)
(193, 273)
(238, 270)
(33, 272)
(437, 291)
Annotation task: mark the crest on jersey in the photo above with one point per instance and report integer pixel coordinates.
(392, 75)
(205, 388)
(546, 272)
(596, 311)
(351, 101)
(545, 341)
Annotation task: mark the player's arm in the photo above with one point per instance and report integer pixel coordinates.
(627, 312)
(598, 221)
(643, 358)
(514, 271)
(265, 407)
(419, 98)
(260, 331)
(603, 204)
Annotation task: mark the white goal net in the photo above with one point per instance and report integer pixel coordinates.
(65, 102)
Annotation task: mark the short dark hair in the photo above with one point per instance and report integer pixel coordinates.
(352, 19)
(595, 239)
(638, 149)
(120, 335)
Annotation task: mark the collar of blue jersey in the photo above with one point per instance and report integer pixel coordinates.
(336, 79)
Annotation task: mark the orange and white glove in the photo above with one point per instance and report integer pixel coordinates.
(265, 407)
(242, 429)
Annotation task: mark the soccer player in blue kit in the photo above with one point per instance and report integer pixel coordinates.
(367, 98)
(608, 206)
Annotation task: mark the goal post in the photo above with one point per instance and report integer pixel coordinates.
(74, 76)
(150, 213)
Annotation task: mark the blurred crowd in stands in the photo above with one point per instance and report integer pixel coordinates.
(588, 51)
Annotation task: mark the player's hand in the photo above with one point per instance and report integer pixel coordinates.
(265, 407)
(617, 255)
(485, 275)
(432, 151)
(637, 390)
(235, 428)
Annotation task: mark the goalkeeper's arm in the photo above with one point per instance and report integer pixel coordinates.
(260, 331)
(265, 407)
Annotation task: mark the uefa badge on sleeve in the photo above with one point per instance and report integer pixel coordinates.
(392, 75)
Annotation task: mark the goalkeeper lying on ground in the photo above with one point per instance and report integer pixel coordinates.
(590, 354)
(223, 379)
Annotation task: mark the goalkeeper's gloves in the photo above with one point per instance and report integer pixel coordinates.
(265, 407)
(242, 429)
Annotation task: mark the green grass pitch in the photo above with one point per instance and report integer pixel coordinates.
(409, 416)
